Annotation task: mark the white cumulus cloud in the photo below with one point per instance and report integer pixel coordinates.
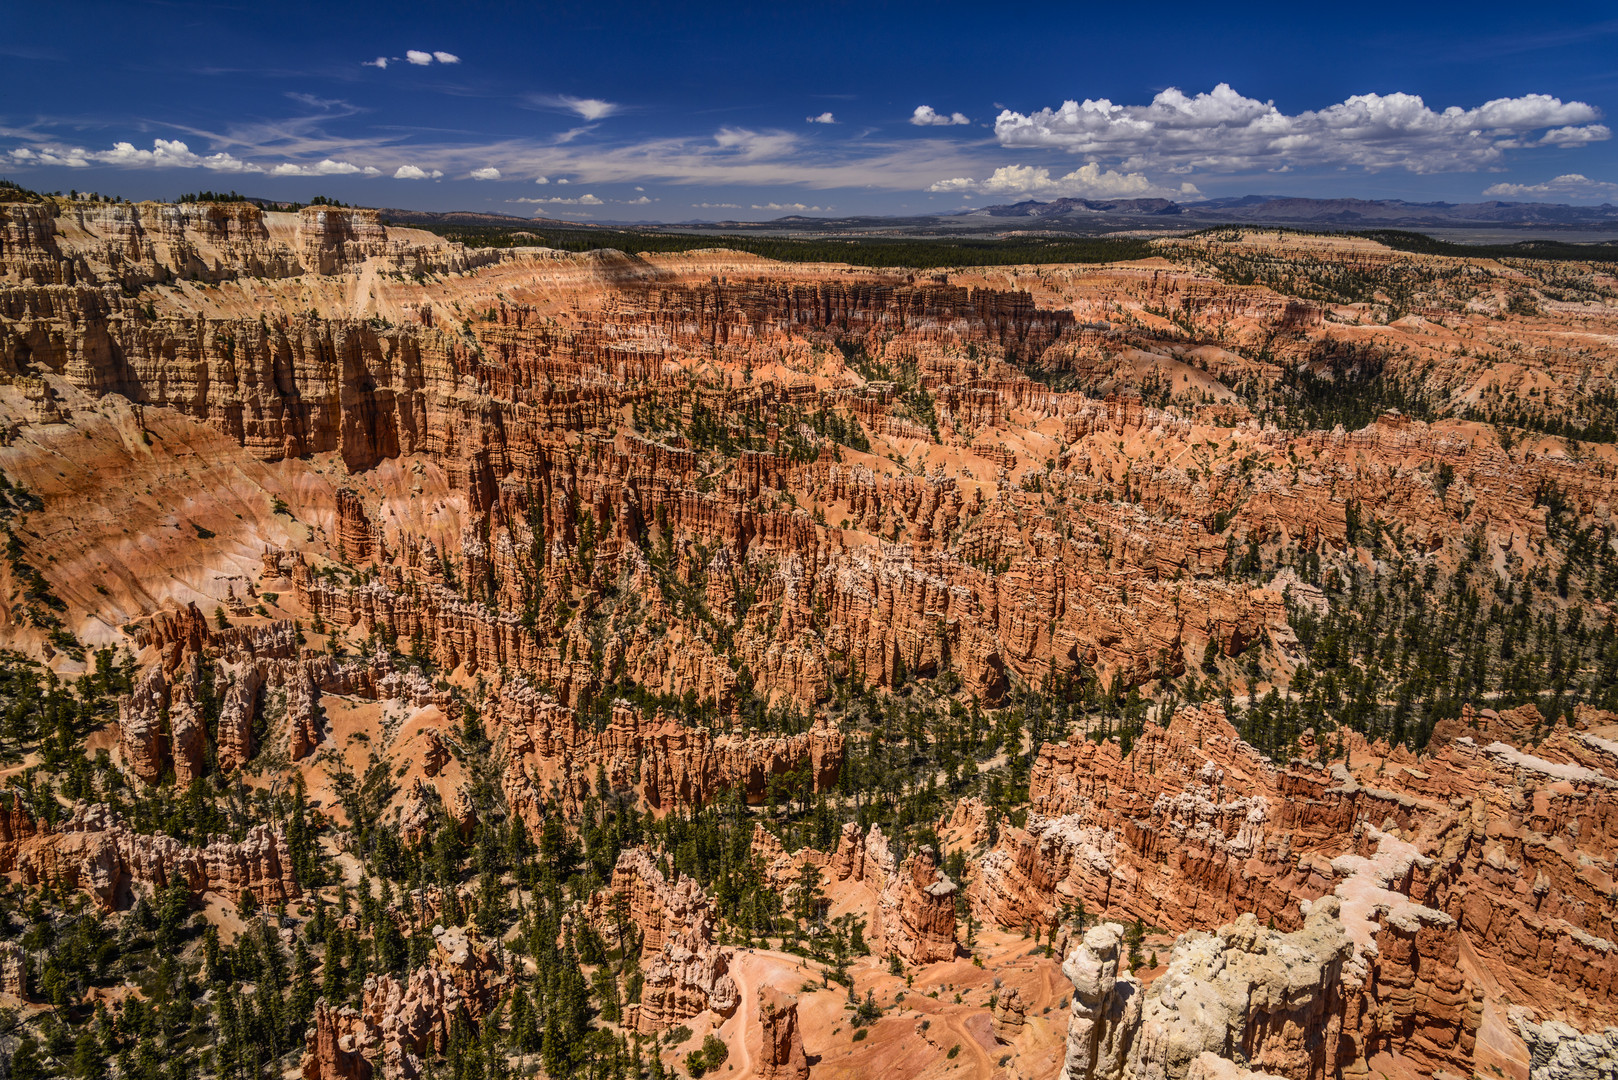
(164, 154)
(70, 157)
(446, 57)
(379, 62)
(1566, 186)
(1223, 130)
(489, 173)
(716, 206)
(413, 172)
(174, 154)
(559, 200)
(1086, 182)
(419, 58)
(327, 167)
(927, 116)
(823, 118)
(787, 206)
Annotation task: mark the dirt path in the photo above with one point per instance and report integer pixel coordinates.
(744, 1019)
(970, 1043)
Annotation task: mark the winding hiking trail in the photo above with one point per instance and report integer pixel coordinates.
(969, 1042)
(744, 1017)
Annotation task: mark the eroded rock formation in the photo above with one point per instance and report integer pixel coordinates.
(1106, 1007)
(1558, 1051)
(918, 910)
(782, 1056)
(95, 850)
(1309, 1004)
(399, 1022)
(1194, 827)
(669, 763)
(1010, 1014)
(13, 970)
(685, 971)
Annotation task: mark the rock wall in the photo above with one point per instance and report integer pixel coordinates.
(670, 764)
(95, 850)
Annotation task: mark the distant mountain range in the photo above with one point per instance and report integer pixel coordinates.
(1284, 210)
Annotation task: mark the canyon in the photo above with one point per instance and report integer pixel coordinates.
(956, 605)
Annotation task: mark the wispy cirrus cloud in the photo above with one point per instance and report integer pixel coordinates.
(315, 144)
(591, 109)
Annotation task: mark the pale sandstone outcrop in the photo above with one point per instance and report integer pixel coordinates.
(1208, 1066)
(1559, 1051)
(1106, 1007)
(1304, 1005)
(13, 970)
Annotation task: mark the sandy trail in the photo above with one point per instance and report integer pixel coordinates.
(969, 1042)
(744, 1016)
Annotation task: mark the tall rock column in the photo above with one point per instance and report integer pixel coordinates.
(1106, 1007)
(918, 910)
(782, 1057)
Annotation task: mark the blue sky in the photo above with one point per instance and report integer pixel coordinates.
(673, 112)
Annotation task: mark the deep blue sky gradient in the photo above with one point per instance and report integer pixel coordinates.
(285, 83)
